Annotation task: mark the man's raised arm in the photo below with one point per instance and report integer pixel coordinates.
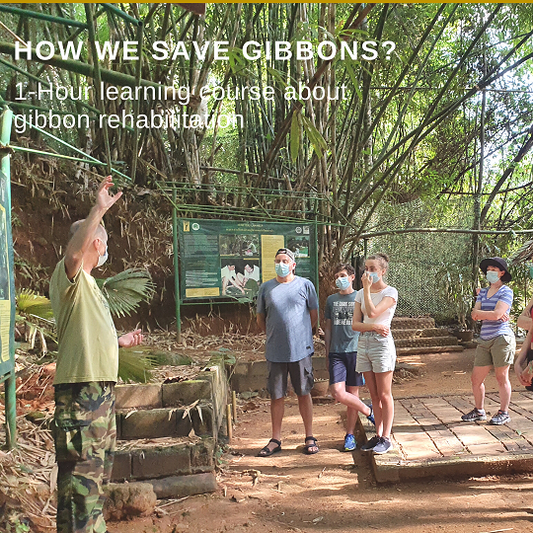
(84, 235)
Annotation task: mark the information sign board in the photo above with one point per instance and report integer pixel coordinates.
(221, 258)
(7, 297)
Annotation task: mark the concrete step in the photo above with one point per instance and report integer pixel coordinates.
(428, 349)
(166, 422)
(174, 409)
(417, 333)
(426, 341)
(404, 322)
(158, 458)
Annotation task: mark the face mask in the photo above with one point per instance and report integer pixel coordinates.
(102, 259)
(374, 276)
(492, 277)
(282, 269)
(343, 282)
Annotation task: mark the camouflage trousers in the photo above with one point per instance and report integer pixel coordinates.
(84, 431)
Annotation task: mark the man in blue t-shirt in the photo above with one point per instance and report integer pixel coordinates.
(287, 310)
(341, 352)
(496, 346)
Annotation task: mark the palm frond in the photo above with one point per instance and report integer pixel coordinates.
(125, 291)
(134, 367)
(29, 303)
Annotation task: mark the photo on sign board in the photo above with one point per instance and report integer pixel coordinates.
(240, 277)
(239, 246)
(299, 245)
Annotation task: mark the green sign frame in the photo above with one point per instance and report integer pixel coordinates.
(227, 260)
(7, 281)
(221, 258)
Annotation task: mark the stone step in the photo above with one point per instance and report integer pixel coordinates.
(157, 395)
(428, 349)
(166, 422)
(404, 322)
(158, 458)
(417, 333)
(175, 409)
(426, 341)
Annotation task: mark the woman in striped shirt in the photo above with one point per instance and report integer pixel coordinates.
(496, 346)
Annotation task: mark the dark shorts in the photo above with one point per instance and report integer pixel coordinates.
(342, 369)
(301, 373)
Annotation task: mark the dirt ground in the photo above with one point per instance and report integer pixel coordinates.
(334, 491)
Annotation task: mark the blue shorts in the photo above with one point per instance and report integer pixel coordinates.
(342, 369)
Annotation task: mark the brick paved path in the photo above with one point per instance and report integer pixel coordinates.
(431, 440)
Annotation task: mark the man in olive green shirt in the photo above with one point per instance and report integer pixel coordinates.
(87, 367)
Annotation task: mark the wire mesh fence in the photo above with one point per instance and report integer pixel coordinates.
(425, 267)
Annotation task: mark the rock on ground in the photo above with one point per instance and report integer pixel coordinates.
(125, 500)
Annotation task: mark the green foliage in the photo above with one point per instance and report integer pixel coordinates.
(315, 137)
(455, 284)
(134, 366)
(295, 136)
(35, 312)
(125, 291)
(229, 356)
(522, 288)
(30, 304)
(14, 525)
(409, 127)
(161, 358)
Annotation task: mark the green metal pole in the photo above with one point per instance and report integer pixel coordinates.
(97, 81)
(58, 156)
(45, 84)
(137, 103)
(42, 16)
(177, 294)
(316, 265)
(10, 390)
(109, 76)
(122, 14)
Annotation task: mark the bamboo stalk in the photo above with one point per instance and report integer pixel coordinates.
(229, 424)
(234, 405)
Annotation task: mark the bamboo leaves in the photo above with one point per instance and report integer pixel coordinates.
(301, 124)
(315, 137)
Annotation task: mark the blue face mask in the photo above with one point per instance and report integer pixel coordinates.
(343, 282)
(492, 276)
(282, 269)
(374, 276)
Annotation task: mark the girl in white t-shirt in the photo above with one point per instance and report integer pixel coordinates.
(376, 353)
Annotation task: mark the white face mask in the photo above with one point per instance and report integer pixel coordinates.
(492, 276)
(103, 258)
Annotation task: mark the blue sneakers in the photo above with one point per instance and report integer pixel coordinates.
(349, 443)
(370, 417)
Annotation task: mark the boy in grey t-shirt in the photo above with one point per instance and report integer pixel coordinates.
(341, 352)
(287, 309)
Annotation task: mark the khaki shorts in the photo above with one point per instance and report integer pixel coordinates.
(496, 352)
(375, 353)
